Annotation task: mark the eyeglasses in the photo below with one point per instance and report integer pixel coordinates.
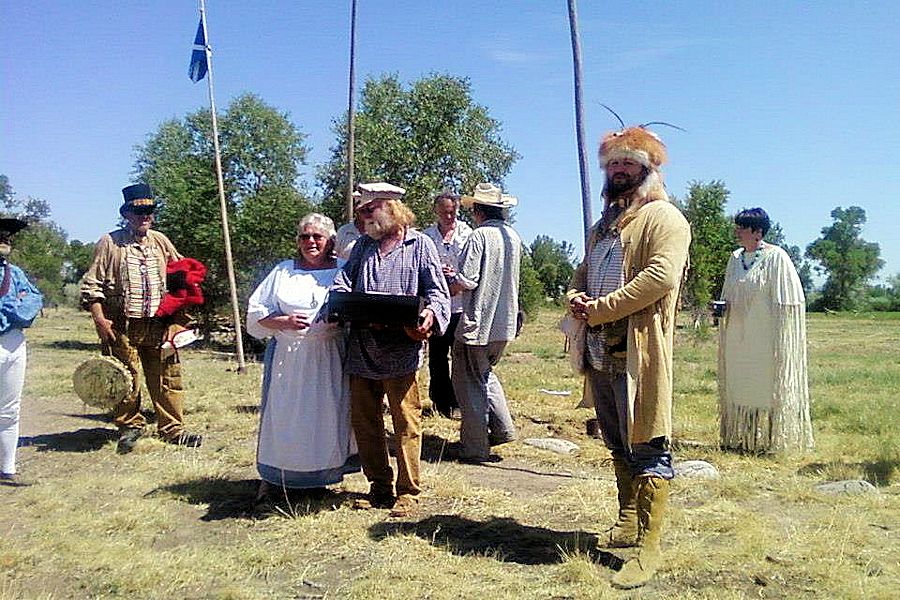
(141, 211)
(310, 236)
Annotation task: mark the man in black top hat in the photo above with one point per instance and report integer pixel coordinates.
(122, 289)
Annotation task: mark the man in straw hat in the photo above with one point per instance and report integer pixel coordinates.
(20, 303)
(391, 258)
(123, 289)
(626, 291)
(489, 281)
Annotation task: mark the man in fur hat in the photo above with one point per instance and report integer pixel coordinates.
(123, 290)
(626, 292)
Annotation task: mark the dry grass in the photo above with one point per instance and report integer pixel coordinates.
(167, 522)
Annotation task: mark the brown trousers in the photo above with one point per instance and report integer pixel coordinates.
(137, 343)
(366, 416)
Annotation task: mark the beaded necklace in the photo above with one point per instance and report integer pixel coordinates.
(753, 259)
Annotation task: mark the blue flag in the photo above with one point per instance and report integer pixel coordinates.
(198, 68)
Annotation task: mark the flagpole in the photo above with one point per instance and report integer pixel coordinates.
(579, 123)
(351, 117)
(229, 263)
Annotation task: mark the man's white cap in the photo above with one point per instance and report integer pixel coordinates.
(378, 191)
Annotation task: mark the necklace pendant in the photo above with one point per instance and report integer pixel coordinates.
(314, 303)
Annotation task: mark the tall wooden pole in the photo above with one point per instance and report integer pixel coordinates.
(229, 263)
(351, 114)
(583, 166)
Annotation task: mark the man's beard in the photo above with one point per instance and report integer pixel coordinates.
(621, 183)
(381, 225)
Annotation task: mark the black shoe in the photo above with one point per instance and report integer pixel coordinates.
(191, 440)
(375, 500)
(128, 440)
(479, 460)
(499, 441)
(12, 480)
(453, 414)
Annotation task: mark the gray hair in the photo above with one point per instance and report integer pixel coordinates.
(318, 221)
(447, 194)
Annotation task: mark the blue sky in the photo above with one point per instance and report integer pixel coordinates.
(794, 105)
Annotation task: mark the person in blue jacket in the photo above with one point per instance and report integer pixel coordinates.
(20, 302)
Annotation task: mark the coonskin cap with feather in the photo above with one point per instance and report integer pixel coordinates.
(636, 143)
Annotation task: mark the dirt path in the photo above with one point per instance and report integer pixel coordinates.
(57, 437)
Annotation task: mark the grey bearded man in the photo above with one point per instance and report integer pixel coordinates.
(626, 293)
(391, 258)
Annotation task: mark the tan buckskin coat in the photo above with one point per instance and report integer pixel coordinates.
(655, 241)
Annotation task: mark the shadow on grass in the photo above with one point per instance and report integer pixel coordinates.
(80, 440)
(70, 345)
(247, 409)
(230, 499)
(502, 538)
(879, 473)
(434, 448)
(103, 417)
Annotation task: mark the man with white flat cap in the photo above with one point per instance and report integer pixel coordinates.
(391, 258)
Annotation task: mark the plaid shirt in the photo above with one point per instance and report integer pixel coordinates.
(412, 268)
(604, 275)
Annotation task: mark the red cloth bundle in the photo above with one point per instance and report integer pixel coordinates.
(183, 279)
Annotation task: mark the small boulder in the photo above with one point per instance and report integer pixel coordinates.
(553, 445)
(696, 469)
(847, 486)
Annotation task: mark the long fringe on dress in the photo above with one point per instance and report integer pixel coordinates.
(785, 425)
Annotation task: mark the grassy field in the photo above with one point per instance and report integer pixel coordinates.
(169, 522)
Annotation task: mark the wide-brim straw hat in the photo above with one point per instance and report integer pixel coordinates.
(102, 382)
(489, 194)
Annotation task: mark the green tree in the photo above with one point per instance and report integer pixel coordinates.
(426, 138)
(39, 249)
(531, 290)
(847, 259)
(776, 237)
(884, 297)
(6, 192)
(77, 260)
(262, 151)
(712, 243)
(552, 261)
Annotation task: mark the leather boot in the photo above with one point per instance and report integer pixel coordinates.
(652, 497)
(623, 533)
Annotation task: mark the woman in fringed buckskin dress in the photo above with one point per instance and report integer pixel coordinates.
(763, 391)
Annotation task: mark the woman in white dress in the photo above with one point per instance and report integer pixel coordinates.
(305, 439)
(763, 392)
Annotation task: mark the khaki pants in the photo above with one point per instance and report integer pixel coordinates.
(368, 425)
(137, 343)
